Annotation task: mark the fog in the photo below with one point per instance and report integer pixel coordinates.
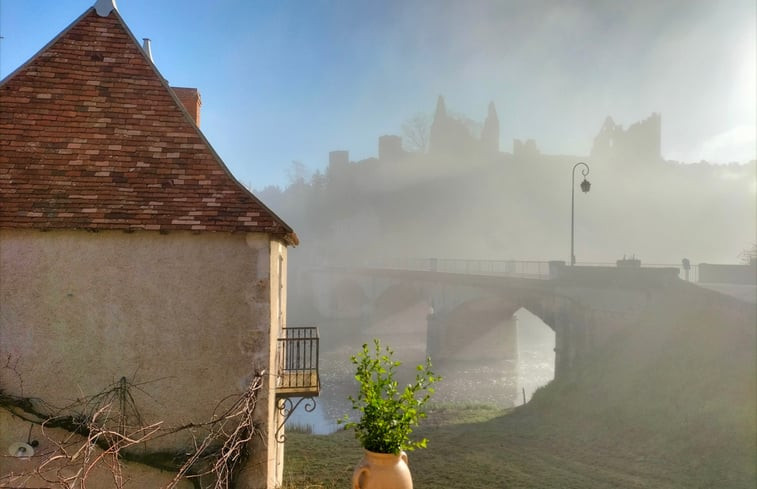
(462, 197)
(554, 70)
(555, 201)
(658, 99)
(657, 103)
(464, 194)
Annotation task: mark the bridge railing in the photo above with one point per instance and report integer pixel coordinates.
(526, 269)
(513, 268)
(691, 276)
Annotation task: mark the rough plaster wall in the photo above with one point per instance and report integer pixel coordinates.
(186, 316)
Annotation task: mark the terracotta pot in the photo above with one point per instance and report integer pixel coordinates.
(382, 471)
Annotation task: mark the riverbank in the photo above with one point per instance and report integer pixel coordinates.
(670, 404)
(480, 447)
(327, 461)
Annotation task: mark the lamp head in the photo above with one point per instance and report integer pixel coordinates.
(585, 186)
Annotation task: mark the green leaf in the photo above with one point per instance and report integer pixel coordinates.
(387, 415)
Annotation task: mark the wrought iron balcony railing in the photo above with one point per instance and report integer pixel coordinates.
(297, 358)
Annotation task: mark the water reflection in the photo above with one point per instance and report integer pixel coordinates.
(501, 384)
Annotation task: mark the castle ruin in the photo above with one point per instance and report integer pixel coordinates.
(453, 136)
(450, 135)
(641, 141)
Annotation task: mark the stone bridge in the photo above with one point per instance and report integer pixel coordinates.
(472, 306)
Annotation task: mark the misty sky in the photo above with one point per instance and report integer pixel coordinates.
(292, 80)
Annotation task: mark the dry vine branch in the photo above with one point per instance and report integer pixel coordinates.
(238, 420)
(98, 437)
(72, 461)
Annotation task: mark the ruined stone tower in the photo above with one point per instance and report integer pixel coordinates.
(450, 136)
(490, 133)
(640, 142)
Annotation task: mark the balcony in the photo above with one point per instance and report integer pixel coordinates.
(297, 359)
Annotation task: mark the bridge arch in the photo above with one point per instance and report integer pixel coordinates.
(397, 297)
(583, 306)
(483, 327)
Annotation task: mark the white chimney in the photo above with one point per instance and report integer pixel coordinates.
(147, 48)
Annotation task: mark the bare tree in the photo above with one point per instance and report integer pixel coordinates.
(416, 133)
(297, 173)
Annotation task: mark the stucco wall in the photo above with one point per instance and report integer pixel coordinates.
(185, 317)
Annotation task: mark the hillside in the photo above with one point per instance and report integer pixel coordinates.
(509, 207)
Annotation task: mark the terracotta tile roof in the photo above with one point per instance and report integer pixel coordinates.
(92, 137)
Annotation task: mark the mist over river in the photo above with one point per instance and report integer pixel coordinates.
(497, 383)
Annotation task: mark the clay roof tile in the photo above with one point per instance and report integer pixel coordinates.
(92, 137)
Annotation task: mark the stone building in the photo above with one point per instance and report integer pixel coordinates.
(450, 136)
(390, 148)
(640, 142)
(141, 285)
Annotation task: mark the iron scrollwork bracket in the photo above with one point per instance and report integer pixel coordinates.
(286, 406)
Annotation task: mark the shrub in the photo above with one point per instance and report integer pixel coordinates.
(387, 415)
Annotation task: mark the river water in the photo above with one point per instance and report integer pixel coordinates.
(502, 384)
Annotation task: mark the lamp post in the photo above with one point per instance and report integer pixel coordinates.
(585, 186)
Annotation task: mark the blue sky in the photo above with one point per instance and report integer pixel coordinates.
(293, 80)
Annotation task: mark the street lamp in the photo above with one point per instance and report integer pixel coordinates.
(585, 186)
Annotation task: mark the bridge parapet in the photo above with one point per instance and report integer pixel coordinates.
(622, 277)
(534, 269)
(513, 268)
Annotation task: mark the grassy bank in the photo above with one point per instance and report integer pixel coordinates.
(670, 403)
(327, 461)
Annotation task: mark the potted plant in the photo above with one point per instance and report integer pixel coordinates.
(387, 416)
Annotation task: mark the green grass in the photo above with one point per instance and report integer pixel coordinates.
(671, 403)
